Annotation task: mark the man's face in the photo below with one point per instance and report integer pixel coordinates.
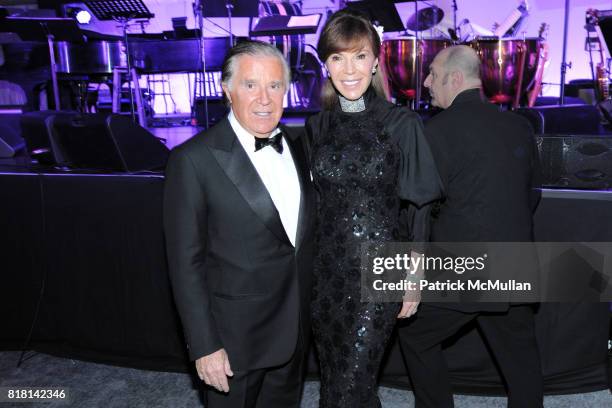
(439, 83)
(351, 71)
(256, 93)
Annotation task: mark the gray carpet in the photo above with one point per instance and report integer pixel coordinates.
(96, 385)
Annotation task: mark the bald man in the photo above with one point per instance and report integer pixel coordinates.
(488, 163)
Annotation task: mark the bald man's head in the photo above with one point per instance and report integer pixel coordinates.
(464, 59)
(454, 70)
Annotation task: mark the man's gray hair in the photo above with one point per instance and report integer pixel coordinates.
(463, 58)
(253, 48)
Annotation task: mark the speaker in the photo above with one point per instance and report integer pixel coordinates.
(11, 141)
(576, 161)
(106, 142)
(216, 111)
(535, 118)
(36, 128)
(567, 119)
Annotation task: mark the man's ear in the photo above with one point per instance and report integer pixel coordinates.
(457, 79)
(226, 91)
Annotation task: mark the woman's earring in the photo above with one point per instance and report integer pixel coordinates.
(373, 70)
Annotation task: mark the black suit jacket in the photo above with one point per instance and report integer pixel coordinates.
(238, 282)
(489, 166)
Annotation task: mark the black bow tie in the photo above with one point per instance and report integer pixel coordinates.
(275, 141)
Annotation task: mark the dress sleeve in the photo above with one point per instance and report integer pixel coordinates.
(418, 179)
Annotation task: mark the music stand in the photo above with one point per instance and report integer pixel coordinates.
(286, 25)
(122, 11)
(119, 9)
(49, 29)
(381, 13)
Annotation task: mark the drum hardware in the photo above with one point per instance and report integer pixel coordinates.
(425, 19)
(455, 27)
(511, 25)
(564, 64)
(464, 31)
(229, 6)
(542, 59)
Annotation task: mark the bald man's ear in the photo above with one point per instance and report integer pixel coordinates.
(457, 79)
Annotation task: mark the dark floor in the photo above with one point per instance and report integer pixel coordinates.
(92, 385)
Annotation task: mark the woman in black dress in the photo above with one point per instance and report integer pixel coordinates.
(367, 155)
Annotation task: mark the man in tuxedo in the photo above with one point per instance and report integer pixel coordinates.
(489, 168)
(238, 218)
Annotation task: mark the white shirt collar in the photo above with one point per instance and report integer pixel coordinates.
(246, 138)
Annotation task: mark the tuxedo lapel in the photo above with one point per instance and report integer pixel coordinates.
(303, 172)
(234, 161)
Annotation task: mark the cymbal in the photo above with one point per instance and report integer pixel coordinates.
(428, 17)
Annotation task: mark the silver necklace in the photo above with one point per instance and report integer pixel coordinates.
(352, 106)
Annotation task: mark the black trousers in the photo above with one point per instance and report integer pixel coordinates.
(273, 387)
(510, 337)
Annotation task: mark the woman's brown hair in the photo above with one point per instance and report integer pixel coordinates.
(348, 30)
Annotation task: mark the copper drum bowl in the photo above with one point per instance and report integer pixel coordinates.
(508, 67)
(399, 58)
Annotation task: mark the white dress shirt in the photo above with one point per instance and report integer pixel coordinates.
(277, 172)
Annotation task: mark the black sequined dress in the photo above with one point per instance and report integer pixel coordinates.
(362, 164)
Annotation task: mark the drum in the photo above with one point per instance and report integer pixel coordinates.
(398, 57)
(292, 46)
(508, 67)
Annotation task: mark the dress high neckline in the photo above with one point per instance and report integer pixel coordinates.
(349, 106)
(364, 103)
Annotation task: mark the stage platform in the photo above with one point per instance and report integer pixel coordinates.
(93, 246)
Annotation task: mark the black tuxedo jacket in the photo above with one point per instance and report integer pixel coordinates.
(238, 282)
(489, 165)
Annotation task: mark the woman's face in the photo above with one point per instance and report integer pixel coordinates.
(351, 71)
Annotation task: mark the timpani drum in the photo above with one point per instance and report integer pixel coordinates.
(399, 60)
(508, 67)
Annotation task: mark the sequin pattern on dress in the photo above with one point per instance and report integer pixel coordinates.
(355, 168)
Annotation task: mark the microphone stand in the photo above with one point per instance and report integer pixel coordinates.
(454, 6)
(124, 21)
(229, 6)
(564, 64)
(198, 10)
